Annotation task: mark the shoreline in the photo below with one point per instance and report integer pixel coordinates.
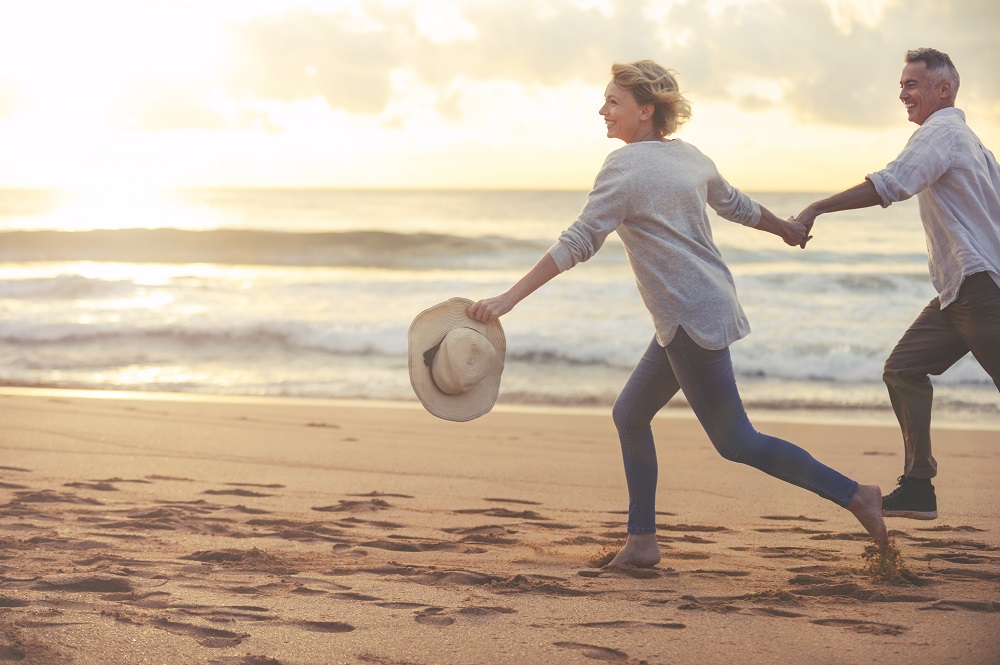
(883, 418)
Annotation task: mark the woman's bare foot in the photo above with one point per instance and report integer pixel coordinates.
(866, 505)
(641, 551)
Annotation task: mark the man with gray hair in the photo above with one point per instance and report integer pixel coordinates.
(957, 184)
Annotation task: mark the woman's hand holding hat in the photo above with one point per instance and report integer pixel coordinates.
(489, 310)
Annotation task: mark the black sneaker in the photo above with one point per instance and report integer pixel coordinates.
(911, 499)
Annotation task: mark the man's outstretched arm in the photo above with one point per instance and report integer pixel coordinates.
(859, 196)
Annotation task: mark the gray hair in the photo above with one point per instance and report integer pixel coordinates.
(938, 63)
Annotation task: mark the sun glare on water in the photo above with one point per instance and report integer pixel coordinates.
(128, 207)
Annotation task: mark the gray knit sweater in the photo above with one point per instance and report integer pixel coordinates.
(653, 194)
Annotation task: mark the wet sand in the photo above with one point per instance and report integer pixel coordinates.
(259, 532)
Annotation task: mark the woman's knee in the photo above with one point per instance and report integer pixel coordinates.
(735, 445)
(729, 451)
(624, 414)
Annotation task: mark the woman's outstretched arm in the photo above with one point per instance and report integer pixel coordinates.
(791, 231)
(490, 309)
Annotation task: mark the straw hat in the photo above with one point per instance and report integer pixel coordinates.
(455, 361)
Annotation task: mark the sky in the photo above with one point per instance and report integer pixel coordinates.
(799, 95)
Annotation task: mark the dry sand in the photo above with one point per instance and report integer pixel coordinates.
(252, 532)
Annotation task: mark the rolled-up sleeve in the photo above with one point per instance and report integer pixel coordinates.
(924, 159)
(732, 204)
(603, 213)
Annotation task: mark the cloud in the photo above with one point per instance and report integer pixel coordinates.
(829, 74)
(165, 106)
(302, 55)
(827, 64)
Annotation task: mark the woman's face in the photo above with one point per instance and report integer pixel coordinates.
(625, 118)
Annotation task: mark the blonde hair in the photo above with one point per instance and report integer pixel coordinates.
(653, 84)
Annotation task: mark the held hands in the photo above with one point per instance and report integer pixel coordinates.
(806, 218)
(793, 232)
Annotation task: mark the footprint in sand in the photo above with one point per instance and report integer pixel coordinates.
(297, 531)
(432, 617)
(968, 605)
(326, 626)
(718, 605)
(354, 595)
(502, 512)
(342, 506)
(485, 611)
(12, 602)
(213, 638)
(628, 571)
(950, 543)
(492, 534)
(520, 501)
(404, 546)
(958, 557)
(535, 584)
(790, 529)
(97, 486)
(691, 528)
(946, 527)
(774, 612)
(618, 625)
(798, 553)
(852, 590)
(378, 524)
(85, 584)
(966, 574)
(863, 626)
(376, 493)
(51, 496)
(595, 652)
(237, 492)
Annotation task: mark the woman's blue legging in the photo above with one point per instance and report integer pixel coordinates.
(708, 382)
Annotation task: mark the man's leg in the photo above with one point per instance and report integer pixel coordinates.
(930, 346)
(935, 342)
(975, 314)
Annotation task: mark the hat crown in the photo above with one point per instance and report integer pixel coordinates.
(455, 361)
(463, 359)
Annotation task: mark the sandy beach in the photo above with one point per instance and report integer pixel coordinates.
(264, 532)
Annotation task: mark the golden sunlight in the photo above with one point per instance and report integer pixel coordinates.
(70, 88)
(116, 207)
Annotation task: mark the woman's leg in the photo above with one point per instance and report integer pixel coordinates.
(708, 382)
(650, 387)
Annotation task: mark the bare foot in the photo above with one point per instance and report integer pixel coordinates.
(642, 551)
(866, 505)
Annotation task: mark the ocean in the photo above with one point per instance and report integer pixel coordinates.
(310, 292)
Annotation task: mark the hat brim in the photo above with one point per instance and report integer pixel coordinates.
(427, 330)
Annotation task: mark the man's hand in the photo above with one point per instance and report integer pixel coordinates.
(794, 233)
(806, 218)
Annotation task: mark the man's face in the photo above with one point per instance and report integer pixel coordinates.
(921, 92)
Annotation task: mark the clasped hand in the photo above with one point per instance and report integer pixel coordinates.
(794, 232)
(806, 219)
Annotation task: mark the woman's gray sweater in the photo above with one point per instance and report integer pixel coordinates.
(653, 193)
